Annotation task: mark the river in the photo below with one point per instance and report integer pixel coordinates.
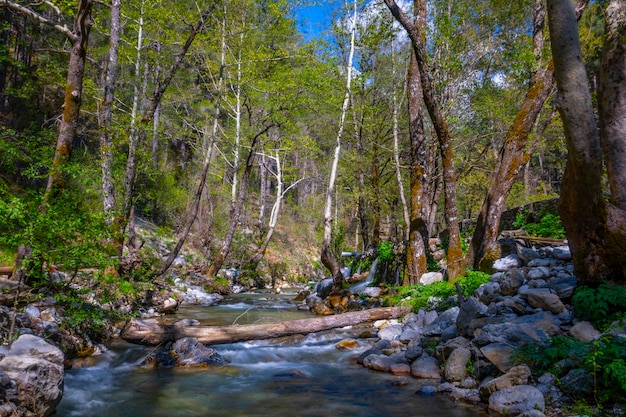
(296, 376)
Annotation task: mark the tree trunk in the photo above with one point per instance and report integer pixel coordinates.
(106, 114)
(327, 256)
(151, 332)
(513, 154)
(594, 228)
(612, 101)
(417, 247)
(73, 98)
(455, 258)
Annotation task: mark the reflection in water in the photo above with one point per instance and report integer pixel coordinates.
(303, 376)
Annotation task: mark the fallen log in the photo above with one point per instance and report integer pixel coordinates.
(150, 332)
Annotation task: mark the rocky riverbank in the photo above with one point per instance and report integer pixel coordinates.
(466, 351)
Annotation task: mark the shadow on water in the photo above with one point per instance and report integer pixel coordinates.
(301, 375)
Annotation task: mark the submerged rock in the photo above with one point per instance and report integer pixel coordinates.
(185, 352)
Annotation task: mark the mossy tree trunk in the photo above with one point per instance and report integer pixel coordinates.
(514, 152)
(455, 257)
(595, 228)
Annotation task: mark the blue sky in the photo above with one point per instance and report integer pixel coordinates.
(315, 19)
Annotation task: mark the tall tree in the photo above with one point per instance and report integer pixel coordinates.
(327, 256)
(79, 38)
(455, 257)
(595, 228)
(515, 151)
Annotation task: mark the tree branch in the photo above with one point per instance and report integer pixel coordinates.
(40, 19)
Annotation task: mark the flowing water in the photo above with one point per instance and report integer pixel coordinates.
(294, 376)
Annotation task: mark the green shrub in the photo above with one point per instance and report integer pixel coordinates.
(549, 225)
(385, 251)
(604, 359)
(600, 306)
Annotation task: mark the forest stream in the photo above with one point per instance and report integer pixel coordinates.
(302, 375)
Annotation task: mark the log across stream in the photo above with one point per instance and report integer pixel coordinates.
(151, 332)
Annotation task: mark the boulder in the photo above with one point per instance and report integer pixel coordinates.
(545, 301)
(32, 375)
(514, 401)
(442, 322)
(517, 375)
(469, 311)
(391, 332)
(498, 354)
(378, 362)
(426, 367)
(511, 281)
(431, 277)
(584, 331)
(456, 365)
(185, 352)
(508, 262)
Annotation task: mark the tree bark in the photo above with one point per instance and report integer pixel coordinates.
(513, 154)
(455, 257)
(612, 101)
(327, 256)
(73, 97)
(106, 114)
(595, 229)
(151, 332)
(417, 247)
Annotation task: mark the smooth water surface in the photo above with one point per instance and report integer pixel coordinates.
(294, 376)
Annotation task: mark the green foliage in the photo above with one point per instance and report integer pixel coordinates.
(81, 317)
(434, 295)
(602, 305)
(604, 359)
(385, 251)
(549, 225)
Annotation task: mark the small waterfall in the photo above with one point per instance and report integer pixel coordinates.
(359, 287)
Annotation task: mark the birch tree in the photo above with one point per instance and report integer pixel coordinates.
(327, 256)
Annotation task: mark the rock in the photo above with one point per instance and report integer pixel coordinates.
(185, 352)
(562, 253)
(577, 382)
(470, 310)
(324, 287)
(539, 272)
(427, 390)
(511, 281)
(32, 370)
(413, 352)
(516, 400)
(391, 332)
(401, 369)
(517, 375)
(456, 393)
(442, 322)
(545, 301)
(508, 262)
(373, 292)
(564, 286)
(456, 366)
(426, 367)
(489, 292)
(347, 344)
(378, 362)
(585, 332)
(498, 354)
(527, 255)
(367, 353)
(431, 277)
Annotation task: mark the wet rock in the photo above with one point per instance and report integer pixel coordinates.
(373, 292)
(401, 369)
(185, 352)
(511, 281)
(378, 362)
(391, 332)
(427, 390)
(347, 344)
(324, 287)
(516, 400)
(413, 352)
(426, 367)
